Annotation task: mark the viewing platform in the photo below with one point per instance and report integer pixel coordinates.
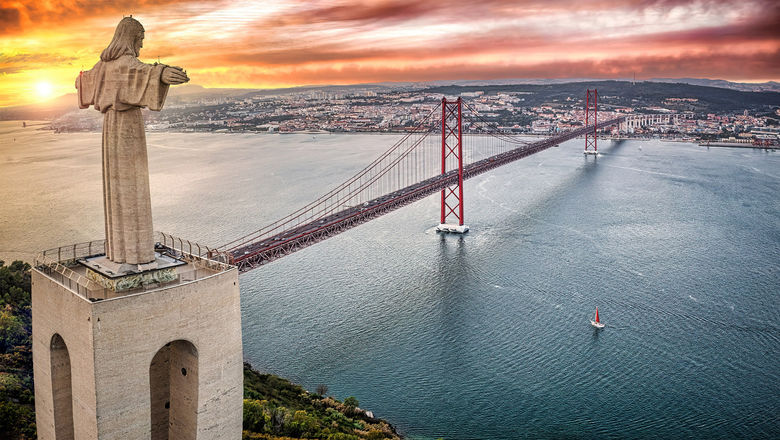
(84, 270)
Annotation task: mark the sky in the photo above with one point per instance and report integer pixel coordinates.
(271, 44)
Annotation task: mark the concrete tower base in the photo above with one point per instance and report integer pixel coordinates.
(163, 361)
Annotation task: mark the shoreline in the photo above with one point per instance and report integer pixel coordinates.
(46, 125)
(738, 145)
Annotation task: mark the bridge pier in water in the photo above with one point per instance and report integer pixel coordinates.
(452, 154)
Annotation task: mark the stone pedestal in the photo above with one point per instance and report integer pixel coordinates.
(161, 363)
(122, 277)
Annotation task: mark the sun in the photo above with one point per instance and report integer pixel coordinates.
(44, 90)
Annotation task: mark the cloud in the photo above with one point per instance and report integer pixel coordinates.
(760, 27)
(502, 46)
(287, 42)
(29, 15)
(10, 20)
(355, 31)
(708, 65)
(13, 63)
(387, 11)
(7, 70)
(354, 11)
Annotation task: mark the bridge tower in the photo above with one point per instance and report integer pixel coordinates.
(591, 114)
(452, 158)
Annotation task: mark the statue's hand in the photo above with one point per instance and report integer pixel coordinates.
(173, 76)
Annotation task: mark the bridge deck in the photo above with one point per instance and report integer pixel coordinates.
(254, 254)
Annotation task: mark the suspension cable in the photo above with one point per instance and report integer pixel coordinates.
(281, 223)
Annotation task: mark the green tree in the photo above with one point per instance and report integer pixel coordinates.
(255, 418)
(12, 330)
(351, 402)
(17, 406)
(303, 425)
(280, 417)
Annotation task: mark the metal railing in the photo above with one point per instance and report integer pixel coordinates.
(59, 264)
(193, 252)
(77, 283)
(68, 255)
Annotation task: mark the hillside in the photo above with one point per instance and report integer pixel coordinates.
(275, 408)
(708, 99)
(624, 93)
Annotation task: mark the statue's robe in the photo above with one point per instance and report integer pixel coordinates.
(119, 89)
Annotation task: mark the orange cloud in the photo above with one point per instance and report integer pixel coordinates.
(685, 65)
(286, 42)
(17, 16)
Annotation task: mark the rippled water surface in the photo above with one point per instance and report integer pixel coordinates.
(484, 335)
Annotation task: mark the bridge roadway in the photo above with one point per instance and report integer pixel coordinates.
(254, 254)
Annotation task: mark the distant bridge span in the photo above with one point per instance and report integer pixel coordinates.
(402, 175)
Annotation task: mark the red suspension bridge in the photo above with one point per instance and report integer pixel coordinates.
(453, 143)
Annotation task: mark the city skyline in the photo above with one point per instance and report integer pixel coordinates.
(240, 44)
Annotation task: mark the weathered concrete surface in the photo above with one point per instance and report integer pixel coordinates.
(57, 310)
(112, 344)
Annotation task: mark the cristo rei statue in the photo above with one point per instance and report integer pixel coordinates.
(118, 86)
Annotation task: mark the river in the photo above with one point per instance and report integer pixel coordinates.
(484, 335)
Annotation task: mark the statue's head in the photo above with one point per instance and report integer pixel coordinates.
(128, 40)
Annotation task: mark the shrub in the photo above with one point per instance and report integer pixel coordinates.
(255, 418)
(351, 402)
(342, 436)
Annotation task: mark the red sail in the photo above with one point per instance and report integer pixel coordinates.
(597, 314)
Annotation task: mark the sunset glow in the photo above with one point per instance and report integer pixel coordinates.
(44, 90)
(289, 43)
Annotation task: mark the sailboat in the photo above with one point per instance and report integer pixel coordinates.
(595, 322)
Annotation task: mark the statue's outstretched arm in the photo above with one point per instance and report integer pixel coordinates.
(174, 75)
